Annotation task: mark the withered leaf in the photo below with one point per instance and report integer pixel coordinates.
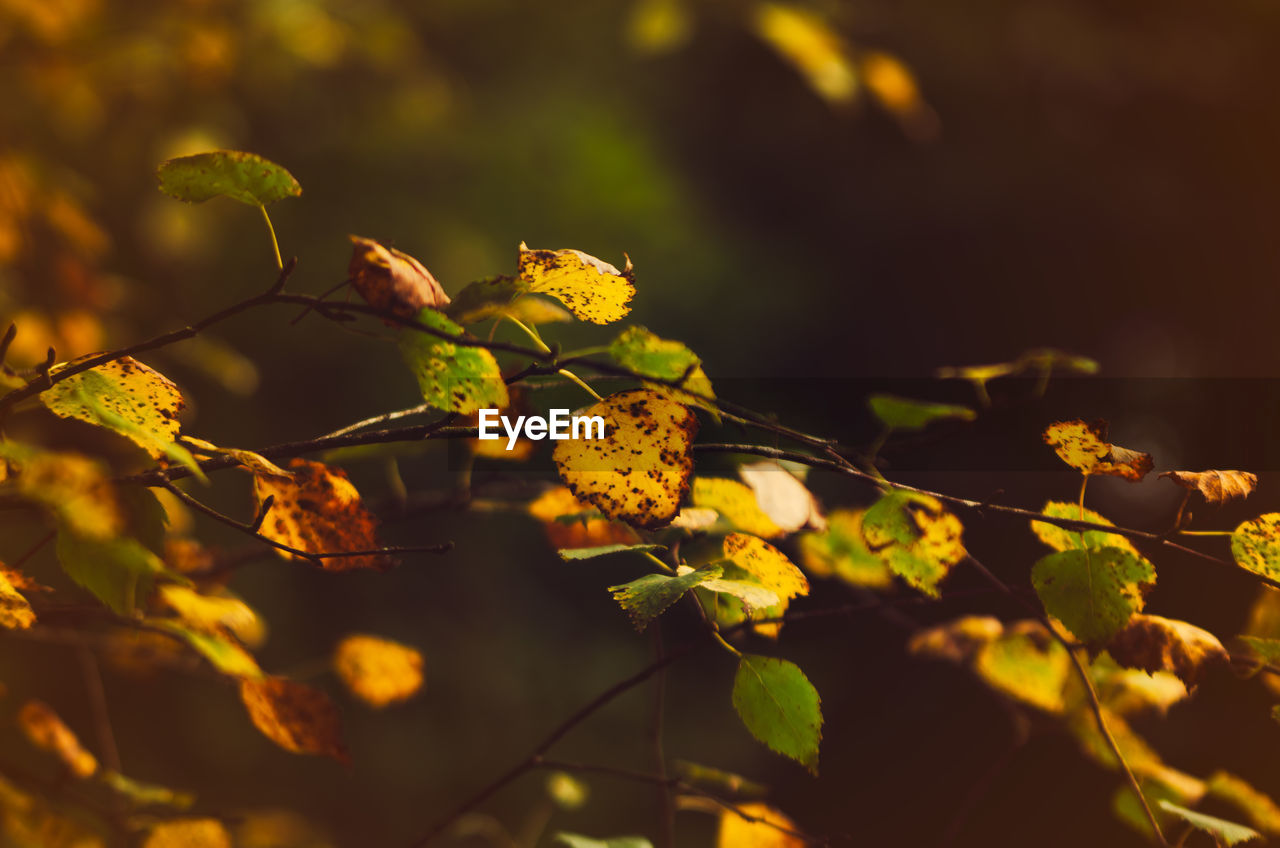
(1153, 643)
(45, 730)
(1083, 445)
(318, 510)
(639, 472)
(1218, 487)
(392, 280)
(295, 716)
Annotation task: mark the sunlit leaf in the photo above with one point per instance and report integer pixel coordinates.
(319, 511)
(640, 471)
(119, 572)
(75, 488)
(644, 353)
(1257, 807)
(736, 502)
(1027, 664)
(648, 597)
(45, 730)
(894, 87)
(241, 176)
(1061, 539)
(1153, 643)
(223, 653)
(210, 612)
(1228, 833)
(808, 43)
(780, 707)
(766, 564)
(593, 290)
(781, 496)
(1083, 445)
(841, 552)
(916, 537)
(452, 377)
(1255, 544)
(1218, 487)
(897, 413)
(378, 671)
(741, 584)
(1131, 691)
(15, 609)
(295, 716)
(188, 833)
(569, 523)
(1092, 592)
(485, 298)
(572, 554)
(767, 827)
(393, 281)
(256, 463)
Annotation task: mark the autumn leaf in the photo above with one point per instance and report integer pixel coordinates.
(378, 671)
(76, 489)
(576, 554)
(639, 472)
(140, 793)
(1255, 545)
(393, 281)
(766, 828)
(1061, 539)
(575, 840)
(209, 612)
(808, 43)
(739, 583)
(241, 176)
(295, 716)
(318, 511)
(566, 791)
(766, 564)
(119, 572)
(648, 597)
(1153, 643)
(782, 496)
(1218, 487)
(1256, 806)
(223, 653)
(1131, 691)
(46, 731)
(958, 640)
(840, 551)
(641, 351)
(487, 298)
(251, 461)
(780, 707)
(1092, 592)
(188, 833)
(569, 523)
(593, 290)
(1223, 831)
(453, 377)
(1084, 446)
(1027, 664)
(916, 537)
(737, 503)
(15, 609)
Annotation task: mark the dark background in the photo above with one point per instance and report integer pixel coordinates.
(1102, 180)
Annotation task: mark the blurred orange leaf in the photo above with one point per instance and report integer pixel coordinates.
(295, 716)
(44, 729)
(378, 671)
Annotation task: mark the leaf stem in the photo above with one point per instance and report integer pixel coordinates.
(275, 245)
(563, 372)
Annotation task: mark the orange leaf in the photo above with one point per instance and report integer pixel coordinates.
(1217, 486)
(46, 731)
(295, 716)
(378, 671)
(1083, 445)
(569, 523)
(393, 280)
(318, 510)
(1152, 643)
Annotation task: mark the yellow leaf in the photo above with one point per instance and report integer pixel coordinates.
(15, 610)
(188, 833)
(593, 290)
(766, 564)
(74, 488)
(319, 511)
(1083, 445)
(378, 671)
(841, 551)
(295, 716)
(1218, 487)
(639, 472)
(737, 504)
(213, 613)
(809, 44)
(392, 280)
(1061, 539)
(957, 640)
(767, 828)
(569, 523)
(656, 26)
(46, 731)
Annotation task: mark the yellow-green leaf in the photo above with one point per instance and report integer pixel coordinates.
(1226, 832)
(842, 552)
(780, 707)
(1027, 664)
(648, 597)
(241, 176)
(766, 564)
(1061, 539)
(916, 537)
(897, 413)
(1255, 544)
(452, 377)
(1092, 592)
(736, 502)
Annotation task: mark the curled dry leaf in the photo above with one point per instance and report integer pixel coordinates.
(782, 497)
(378, 671)
(1153, 643)
(569, 523)
(1083, 445)
(319, 511)
(295, 716)
(45, 730)
(1217, 486)
(639, 472)
(592, 289)
(392, 280)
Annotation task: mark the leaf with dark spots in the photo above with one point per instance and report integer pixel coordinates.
(1083, 445)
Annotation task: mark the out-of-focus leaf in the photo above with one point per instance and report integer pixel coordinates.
(593, 290)
(1228, 833)
(648, 597)
(222, 652)
(574, 840)
(45, 730)
(378, 671)
(639, 472)
(767, 828)
(295, 716)
(737, 504)
(487, 298)
(319, 511)
(1256, 806)
(15, 609)
(1153, 643)
(210, 613)
(1083, 445)
(188, 833)
(1218, 487)
(393, 281)
(452, 377)
(567, 791)
(897, 413)
(119, 572)
(1093, 592)
(782, 497)
(741, 584)
(658, 26)
(780, 707)
(74, 488)
(569, 523)
(241, 176)
(841, 552)
(918, 539)
(1027, 664)
(958, 640)
(726, 782)
(808, 44)
(146, 794)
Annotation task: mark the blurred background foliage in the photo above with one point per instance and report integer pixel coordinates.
(830, 190)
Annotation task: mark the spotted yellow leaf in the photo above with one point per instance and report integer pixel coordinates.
(1083, 445)
(592, 289)
(766, 564)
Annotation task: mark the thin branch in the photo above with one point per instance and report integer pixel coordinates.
(666, 806)
(97, 697)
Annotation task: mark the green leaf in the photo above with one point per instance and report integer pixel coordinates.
(1228, 833)
(1061, 539)
(1092, 592)
(452, 377)
(241, 176)
(641, 351)
(840, 551)
(780, 707)
(222, 652)
(1256, 806)
(1026, 664)
(570, 554)
(898, 413)
(146, 794)
(573, 840)
(1256, 545)
(119, 572)
(646, 598)
(485, 298)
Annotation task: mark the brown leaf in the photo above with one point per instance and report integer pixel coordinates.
(46, 731)
(318, 510)
(295, 716)
(1084, 446)
(1217, 486)
(393, 280)
(1153, 643)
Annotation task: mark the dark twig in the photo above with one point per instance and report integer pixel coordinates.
(666, 805)
(9, 336)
